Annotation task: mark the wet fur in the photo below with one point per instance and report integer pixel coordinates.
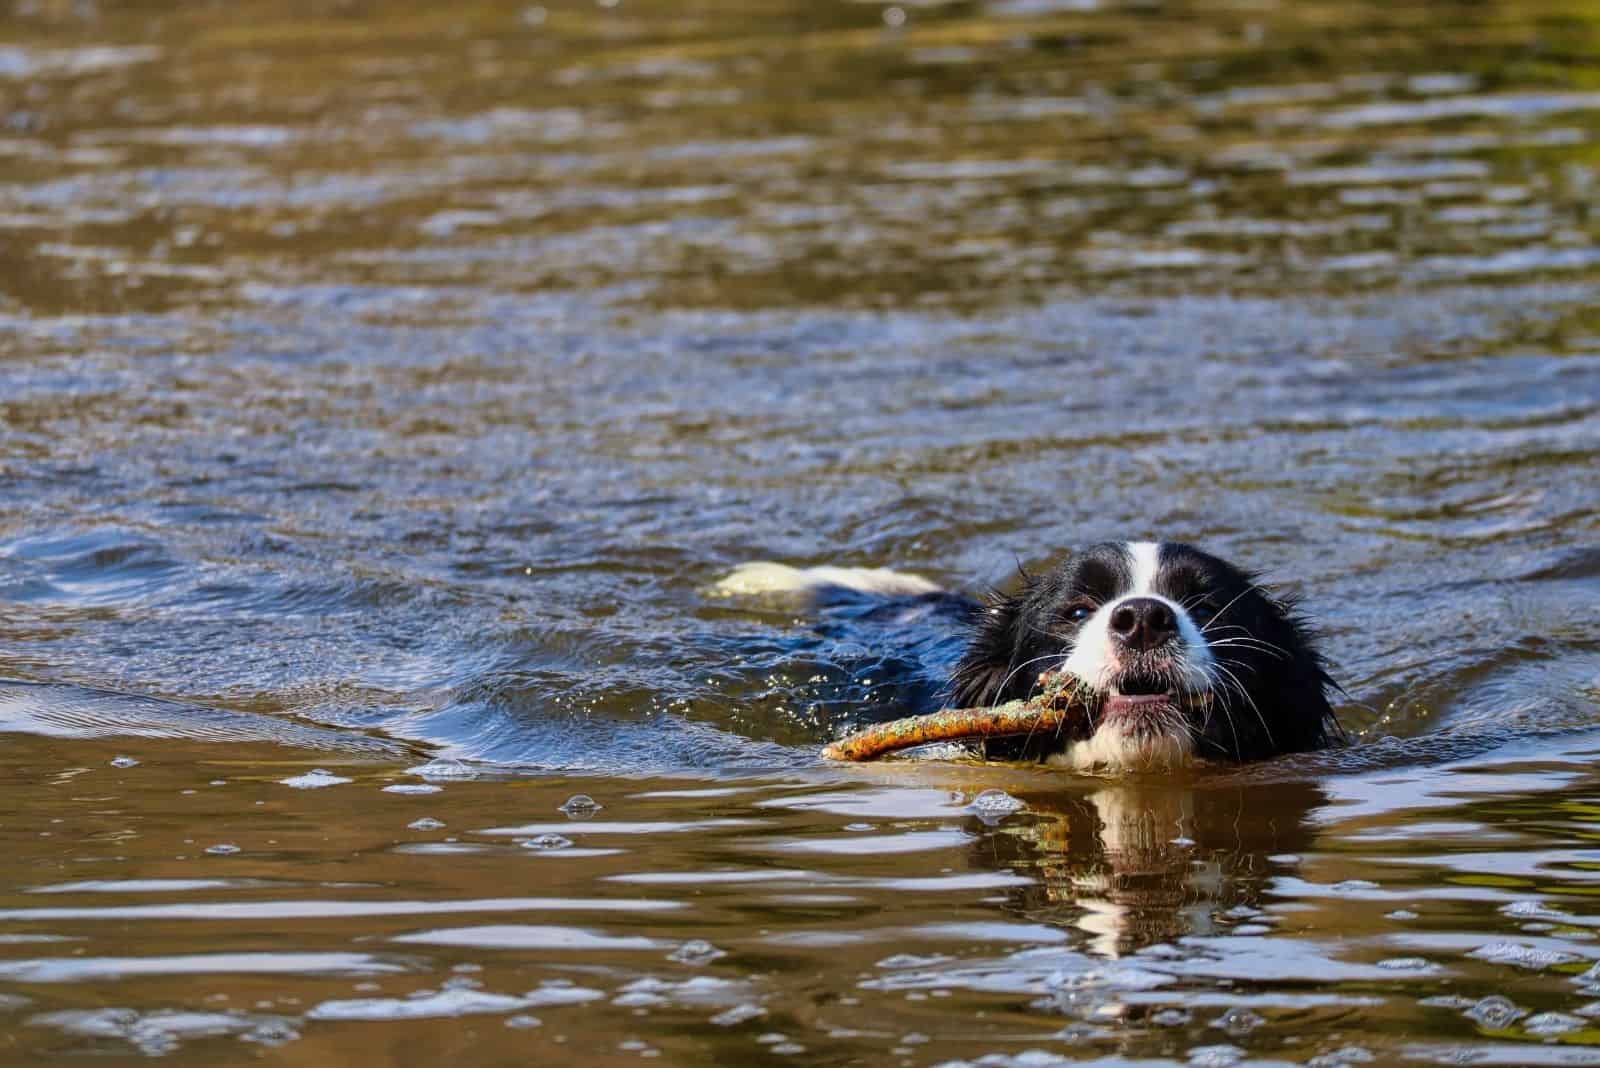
(1271, 684)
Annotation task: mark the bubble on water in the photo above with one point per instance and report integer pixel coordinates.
(1406, 964)
(705, 990)
(1531, 910)
(444, 769)
(124, 762)
(561, 992)
(1447, 1001)
(1171, 1017)
(412, 788)
(580, 807)
(1239, 1021)
(1457, 1055)
(1223, 1056)
(1342, 1058)
(159, 1033)
(426, 823)
(1590, 1009)
(523, 1022)
(900, 961)
(547, 841)
(696, 951)
(1029, 1058)
(1521, 956)
(271, 1033)
(1546, 1024)
(1351, 886)
(421, 1005)
(1400, 914)
(738, 1014)
(1495, 1012)
(1119, 976)
(992, 806)
(314, 779)
(222, 849)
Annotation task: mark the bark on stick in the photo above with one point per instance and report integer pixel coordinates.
(1061, 704)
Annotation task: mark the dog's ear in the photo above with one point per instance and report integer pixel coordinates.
(986, 666)
(1311, 677)
(1302, 680)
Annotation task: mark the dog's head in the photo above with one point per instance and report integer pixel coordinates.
(1189, 657)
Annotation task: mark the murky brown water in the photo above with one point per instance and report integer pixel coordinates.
(383, 386)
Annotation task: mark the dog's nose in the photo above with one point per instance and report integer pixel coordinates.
(1143, 623)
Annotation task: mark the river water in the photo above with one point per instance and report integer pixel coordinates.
(384, 388)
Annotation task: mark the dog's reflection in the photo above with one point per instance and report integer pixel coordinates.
(1131, 864)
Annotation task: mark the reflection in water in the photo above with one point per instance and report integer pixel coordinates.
(1138, 863)
(849, 910)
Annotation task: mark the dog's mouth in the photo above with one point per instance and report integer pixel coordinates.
(1140, 697)
(1136, 706)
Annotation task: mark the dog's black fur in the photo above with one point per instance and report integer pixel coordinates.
(1267, 683)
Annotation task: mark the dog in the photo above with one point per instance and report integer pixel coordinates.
(1189, 658)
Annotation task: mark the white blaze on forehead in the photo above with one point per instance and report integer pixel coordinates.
(1145, 556)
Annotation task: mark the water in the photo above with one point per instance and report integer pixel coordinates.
(383, 391)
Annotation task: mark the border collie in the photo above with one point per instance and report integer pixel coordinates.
(1191, 658)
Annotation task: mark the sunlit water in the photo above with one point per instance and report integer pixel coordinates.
(382, 391)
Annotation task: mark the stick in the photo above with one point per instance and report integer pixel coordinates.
(1062, 702)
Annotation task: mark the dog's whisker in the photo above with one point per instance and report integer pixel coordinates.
(1236, 643)
(1219, 613)
(1000, 690)
(1245, 636)
(1250, 700)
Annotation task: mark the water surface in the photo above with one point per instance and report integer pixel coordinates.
(382, 391)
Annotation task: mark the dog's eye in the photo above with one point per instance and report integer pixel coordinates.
(1078, 612)
(1202, 611)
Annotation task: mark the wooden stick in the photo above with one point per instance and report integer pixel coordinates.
(1062, 702)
